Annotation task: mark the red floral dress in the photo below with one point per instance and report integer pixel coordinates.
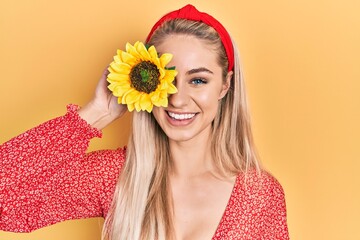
(46, 177)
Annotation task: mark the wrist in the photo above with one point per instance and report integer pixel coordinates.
(95, 116)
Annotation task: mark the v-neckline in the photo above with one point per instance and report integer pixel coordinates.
(228, 206)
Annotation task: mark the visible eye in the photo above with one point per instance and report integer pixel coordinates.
(198, 81)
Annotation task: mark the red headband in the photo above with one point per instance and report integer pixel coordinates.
(189, 12)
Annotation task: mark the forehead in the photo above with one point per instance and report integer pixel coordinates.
(189, 52)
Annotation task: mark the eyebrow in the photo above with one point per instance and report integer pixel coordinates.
(197, 70)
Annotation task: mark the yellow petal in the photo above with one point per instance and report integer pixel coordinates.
(163, 94)
(145, 101)
(111, 86)
(139, 46)
(118, 77)
(171, 89)
(156, 61)
(164, 102)
(171, 73)
(117, 59)
(110, 69)
(128, 58)
(145, 56)
(119, 83)
(130, 107)
(128, 46)
(165, 59)
(118, 90)
(125, 95)
(137, 106)
(169, 76)
(154, 57)
(143, 51)
(154, 96)
(149, 108)
(120, 67)
(132, 50)
(162, 72)
(136, 44)
(125, 68)
(132, 97)
(163, 85)
(118, 52)
(153, 53)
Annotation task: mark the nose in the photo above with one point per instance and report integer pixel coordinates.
(181, 98)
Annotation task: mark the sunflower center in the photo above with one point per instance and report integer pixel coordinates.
(144, 77)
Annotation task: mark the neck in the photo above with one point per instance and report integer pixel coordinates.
(191, 158)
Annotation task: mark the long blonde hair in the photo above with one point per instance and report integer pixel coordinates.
(142, 205)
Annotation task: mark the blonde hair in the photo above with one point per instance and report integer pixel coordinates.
(142, 207)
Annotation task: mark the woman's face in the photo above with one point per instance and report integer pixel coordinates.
(200, 85)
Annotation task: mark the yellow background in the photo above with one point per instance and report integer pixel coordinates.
(302, 66)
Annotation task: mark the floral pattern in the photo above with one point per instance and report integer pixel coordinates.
(46, 177)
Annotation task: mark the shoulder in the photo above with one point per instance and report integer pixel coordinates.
(260, 182)
(257, 207)
(268, 183)
(259, 188)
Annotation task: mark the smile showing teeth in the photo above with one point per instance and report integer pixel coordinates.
(181, 116)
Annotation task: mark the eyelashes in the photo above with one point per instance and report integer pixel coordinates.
(198, 81)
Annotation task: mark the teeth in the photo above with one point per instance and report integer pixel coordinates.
(181, 116)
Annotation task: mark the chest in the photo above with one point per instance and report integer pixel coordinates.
(199, 207)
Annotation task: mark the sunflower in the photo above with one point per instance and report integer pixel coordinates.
(140, 78)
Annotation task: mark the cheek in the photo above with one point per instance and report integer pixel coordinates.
(157, 113)
(208, 101)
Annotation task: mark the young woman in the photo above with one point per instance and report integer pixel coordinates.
(189, 170)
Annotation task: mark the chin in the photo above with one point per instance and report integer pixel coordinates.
(179, 137)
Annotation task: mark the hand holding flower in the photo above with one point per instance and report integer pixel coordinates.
(103, 108)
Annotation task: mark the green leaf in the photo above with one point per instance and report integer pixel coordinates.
(170, 68)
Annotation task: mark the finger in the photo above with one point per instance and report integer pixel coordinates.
(106, 72)
(103, 81)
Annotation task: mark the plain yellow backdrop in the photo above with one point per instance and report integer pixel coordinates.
(301, 61)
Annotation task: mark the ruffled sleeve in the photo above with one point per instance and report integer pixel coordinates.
(47, 177)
